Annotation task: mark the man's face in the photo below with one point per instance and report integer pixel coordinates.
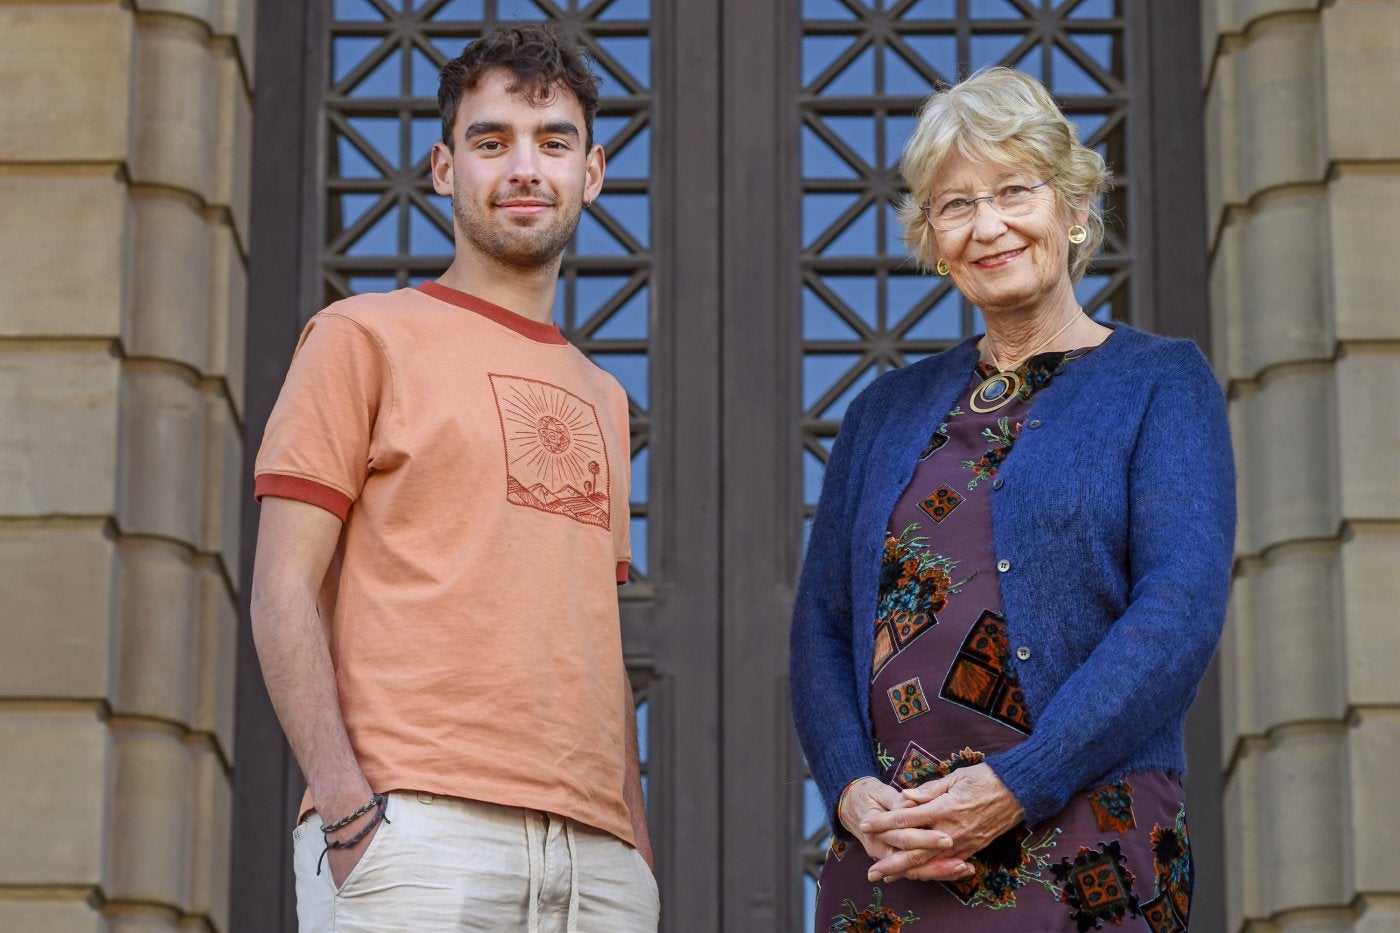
(518, 174)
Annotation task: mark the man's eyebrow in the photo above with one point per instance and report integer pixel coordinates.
(552, 128)
(557, 128)
(484, 127)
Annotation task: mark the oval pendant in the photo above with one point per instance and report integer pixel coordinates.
(995, 391)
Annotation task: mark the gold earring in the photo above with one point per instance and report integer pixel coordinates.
(1077, 234)
(942, 268)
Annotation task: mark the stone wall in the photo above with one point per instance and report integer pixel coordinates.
(124, 169)
(1303, 156)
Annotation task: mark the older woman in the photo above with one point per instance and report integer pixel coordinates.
(1018, 569)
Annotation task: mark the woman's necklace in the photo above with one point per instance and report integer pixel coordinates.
(1002, 386)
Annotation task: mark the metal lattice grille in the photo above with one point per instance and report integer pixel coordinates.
(865, 67)
(385, 228)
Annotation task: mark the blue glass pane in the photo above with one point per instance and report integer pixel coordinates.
(858, 292)
(1103, 313)
(1099, 47)
(940, 52)
(986, 50)
(894, 231)
(819, 210)
(458, 10)
(368, 284)
(633, 211)
(627, 9)
(821, 370)
(941, 322)
(1068, 78)
(837, 409)
(640, 464)
(382, 133)
(558, 311)
(639, 544)
(592, 291)
(381, 239)
(633, 160)
(632, 53)
(813, 810)
(593, 239)
(1088, 124)
(806, 535)
(425, 75)
(422, 133)
(425, 238)
(1095, 9)
(509, 10)
(858, 133)
(993, 9)
(1088, 288)
(826, 9)
(819, 322)
(349, 51)
(978, 325)
(629, 322)
(819, 160)
(386, 80)
(856, 79)
(451, 46)
(901, 79)
(630, 369)
(642, 719)
(357, 11)
(932, 9)
(857, 239)
(812, 470)
(897, 133)
(820, 51)
(353, 207)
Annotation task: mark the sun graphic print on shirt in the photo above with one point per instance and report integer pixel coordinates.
(556, 458)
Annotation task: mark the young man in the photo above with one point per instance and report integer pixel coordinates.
(444, 488)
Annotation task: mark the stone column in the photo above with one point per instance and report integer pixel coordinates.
(1303, 154)
(124, 165)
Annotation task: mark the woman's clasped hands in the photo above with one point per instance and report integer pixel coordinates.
(928, 833)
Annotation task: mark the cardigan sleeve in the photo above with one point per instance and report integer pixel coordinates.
(1146, 668)
(825, 694)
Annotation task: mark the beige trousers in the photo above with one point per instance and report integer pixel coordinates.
(447, 864)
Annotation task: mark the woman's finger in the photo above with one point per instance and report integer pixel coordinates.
(932, 839)
(929, 790)
(897, 863)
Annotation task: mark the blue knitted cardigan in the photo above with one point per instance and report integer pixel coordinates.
(1116, 514)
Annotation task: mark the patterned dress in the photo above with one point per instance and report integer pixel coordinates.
(944, 694)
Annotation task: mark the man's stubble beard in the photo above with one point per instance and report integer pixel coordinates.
(521, 249)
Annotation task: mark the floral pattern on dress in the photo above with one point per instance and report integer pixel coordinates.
(1002, 437)
(915, 584)
(1113, 806)
(876, 918)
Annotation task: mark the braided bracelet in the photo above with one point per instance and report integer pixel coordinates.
(379, 803)
(374, 801)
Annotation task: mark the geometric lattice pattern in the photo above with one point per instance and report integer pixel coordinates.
(865, 66)
(385, 228)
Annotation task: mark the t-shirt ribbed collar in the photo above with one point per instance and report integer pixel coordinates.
(535, 330)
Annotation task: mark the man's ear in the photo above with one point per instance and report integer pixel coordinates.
(441, 161)
(593, 178)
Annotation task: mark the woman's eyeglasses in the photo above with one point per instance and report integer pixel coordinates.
(1012, 199)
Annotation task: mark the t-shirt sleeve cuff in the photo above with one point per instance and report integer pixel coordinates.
(622, 566)
(303, 490)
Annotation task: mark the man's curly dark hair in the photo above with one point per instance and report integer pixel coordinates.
(541, 59)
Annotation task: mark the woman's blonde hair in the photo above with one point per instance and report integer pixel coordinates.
(1004, 117)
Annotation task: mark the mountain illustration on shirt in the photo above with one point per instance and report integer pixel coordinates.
(556, 458)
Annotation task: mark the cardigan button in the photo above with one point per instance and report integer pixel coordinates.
(1023, 653)
(1033, 423)
(1003, 565)
(997, 483)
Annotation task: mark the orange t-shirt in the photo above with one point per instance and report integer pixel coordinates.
(480, 464)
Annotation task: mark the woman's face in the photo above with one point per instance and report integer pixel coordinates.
(1002, 263)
